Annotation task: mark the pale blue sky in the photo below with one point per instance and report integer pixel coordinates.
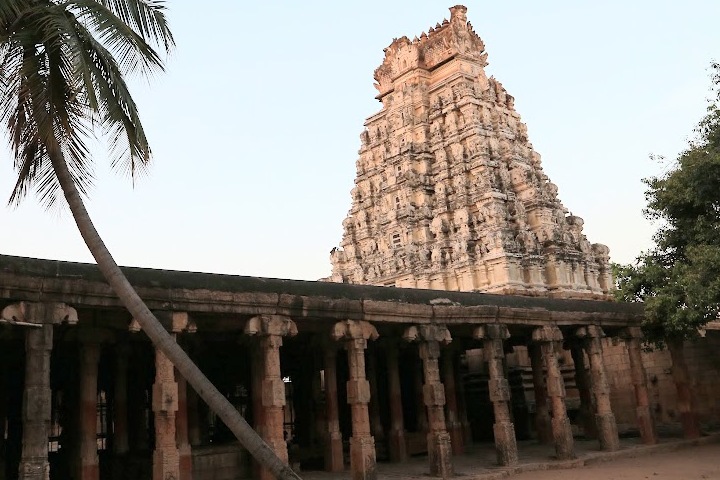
(255, 126)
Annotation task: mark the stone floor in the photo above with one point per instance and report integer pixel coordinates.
(478, 462)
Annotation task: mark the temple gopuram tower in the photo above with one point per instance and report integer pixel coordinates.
(450, 194)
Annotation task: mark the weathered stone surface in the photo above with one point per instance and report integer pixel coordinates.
(333, 447)
(37, 399)
(354, 335)
(429, 338)
(643, 413)
(166, 456)
(591, 336)
(449, 193)
(548, 337)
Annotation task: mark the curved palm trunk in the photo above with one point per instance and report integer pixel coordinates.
(160, 337)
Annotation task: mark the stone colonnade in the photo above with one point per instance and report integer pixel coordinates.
(442, 395)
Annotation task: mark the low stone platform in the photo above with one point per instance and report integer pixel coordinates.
(478, 463)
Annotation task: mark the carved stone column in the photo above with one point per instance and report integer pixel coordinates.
(542, 412)
(270, 330)
(89, 466)
(38, 319)
(549, 337)
(398, 447)
(333, 448)
(37, 404)
(643, 413)
(166, 457)
(439, 450)
(604, 418)
(355, 335)
(172, 457)
(685, 399)
(503, 429)
(454, 425)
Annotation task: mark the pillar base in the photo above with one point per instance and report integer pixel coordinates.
(334, 453)
(398, 446)
(34, 469)
(607, 432)
(440, 453)
(562, 434)
(505, 444)
(362, 458)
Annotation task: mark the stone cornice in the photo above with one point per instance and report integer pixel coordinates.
(82, 286)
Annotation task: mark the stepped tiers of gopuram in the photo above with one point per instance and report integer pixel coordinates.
(449, 193)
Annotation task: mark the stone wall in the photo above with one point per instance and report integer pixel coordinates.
(703, 362)
(225, 462)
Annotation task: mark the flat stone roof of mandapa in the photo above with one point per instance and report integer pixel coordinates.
(52, 272)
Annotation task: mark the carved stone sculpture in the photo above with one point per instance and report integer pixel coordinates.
(457, 131)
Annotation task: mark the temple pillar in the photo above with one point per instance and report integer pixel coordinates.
(550, 337)
(32, 414)
(583, 383)
(396, 436)
(333, 446)
(454, 425)
(355, 335)
(166, 457)
(270, 329)
(492, 337)
(643, 412)
(542, 412)
(438, 439)
(89, 464)
(685, 401)
(36, 404)
(591, 336)
(172, 457)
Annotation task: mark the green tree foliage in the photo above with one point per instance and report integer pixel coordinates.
(679, 279)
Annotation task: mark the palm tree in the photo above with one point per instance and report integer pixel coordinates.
(62, 67)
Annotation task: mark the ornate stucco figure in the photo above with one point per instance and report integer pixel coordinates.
(450, 187)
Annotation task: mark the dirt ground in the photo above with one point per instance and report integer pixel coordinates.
(693, 463)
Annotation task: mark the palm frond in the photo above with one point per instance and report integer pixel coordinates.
(62, 67)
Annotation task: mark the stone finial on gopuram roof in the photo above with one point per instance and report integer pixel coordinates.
(442, 42)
